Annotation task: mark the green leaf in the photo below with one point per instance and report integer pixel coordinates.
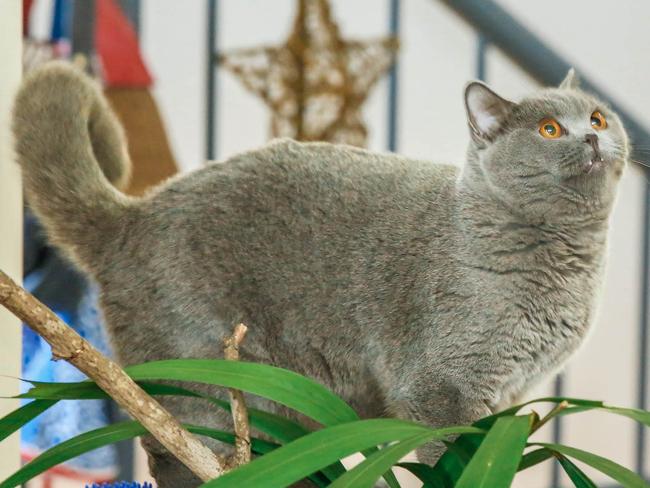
(425, 473)
(640, 416)
(88, 390)
(452, 463)
(571, 401)
(285, 387)
(366, 473)
(615, 471)
(391, 480)
(104, 436)
(310, 453)
(258, 446)
(284, 431)
(464, 448)
(72, 448)
(633, 413)
(579, 478)
(280, 385)
(495, 463)
(533, 458)
(275, 426)
(13, 421)
(389, 476)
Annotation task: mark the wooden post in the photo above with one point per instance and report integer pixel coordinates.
(10, 221)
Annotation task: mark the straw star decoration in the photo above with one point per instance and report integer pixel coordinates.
(316, 82)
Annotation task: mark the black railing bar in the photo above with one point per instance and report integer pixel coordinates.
(393, 79)
(211, 90)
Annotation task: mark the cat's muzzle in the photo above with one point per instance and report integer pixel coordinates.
(596, 160)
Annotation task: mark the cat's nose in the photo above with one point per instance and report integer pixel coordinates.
(592, 140)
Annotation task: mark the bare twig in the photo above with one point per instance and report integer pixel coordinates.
(242, 454)
(67, 344)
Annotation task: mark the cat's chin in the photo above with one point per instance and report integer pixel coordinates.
(607, 162)
(593, 179)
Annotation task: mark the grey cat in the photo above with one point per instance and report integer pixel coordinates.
(411, 289)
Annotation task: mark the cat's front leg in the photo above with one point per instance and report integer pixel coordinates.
(437, 403)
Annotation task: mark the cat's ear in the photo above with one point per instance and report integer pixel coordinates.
(571, 80)
(486, 110)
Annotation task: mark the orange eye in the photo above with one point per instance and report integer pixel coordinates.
(598, 121)
(550, 129)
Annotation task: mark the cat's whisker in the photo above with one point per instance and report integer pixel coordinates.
(643, 169)
(641, 163)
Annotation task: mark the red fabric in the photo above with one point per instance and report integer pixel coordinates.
(117, 46)
(66, 472)
(27, 8)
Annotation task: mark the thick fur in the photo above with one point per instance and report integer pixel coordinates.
(411, 289)
(66, 132)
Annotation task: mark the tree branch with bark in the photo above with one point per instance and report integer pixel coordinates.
(67, 344)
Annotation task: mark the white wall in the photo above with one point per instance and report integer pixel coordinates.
(10, 222)
(606, 40)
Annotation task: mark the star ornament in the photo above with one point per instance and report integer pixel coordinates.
(315, 83)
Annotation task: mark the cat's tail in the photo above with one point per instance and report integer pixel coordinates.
(73, 155)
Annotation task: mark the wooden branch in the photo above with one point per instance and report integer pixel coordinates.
(67, 344)
(242, 453)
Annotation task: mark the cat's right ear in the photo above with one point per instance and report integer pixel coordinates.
(571, 80)
(486, 110)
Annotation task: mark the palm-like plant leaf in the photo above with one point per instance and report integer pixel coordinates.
(104, 436)
(533, 458)
(496, 461)
(13, 421)
(279, 428)
(425, 473)
(614, 470)
(474, 459)
(295, 461)
(368, 472)
(579, 478)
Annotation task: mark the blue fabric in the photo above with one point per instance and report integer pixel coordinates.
(61, 20)
(53, 280)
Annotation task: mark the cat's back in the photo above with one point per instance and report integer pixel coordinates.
(298, 197)
(286, 175)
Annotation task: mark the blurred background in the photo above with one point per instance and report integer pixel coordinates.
(204, 79)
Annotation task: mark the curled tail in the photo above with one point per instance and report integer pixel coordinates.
(73, 155)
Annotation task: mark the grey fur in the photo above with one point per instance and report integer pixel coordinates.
(411, 289)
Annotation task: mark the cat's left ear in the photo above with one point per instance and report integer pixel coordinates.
(486, 110)
(571, 80)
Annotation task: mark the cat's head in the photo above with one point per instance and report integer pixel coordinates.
(556, 154)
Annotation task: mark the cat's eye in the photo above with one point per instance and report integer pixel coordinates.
(550, 128)
(598, 121)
